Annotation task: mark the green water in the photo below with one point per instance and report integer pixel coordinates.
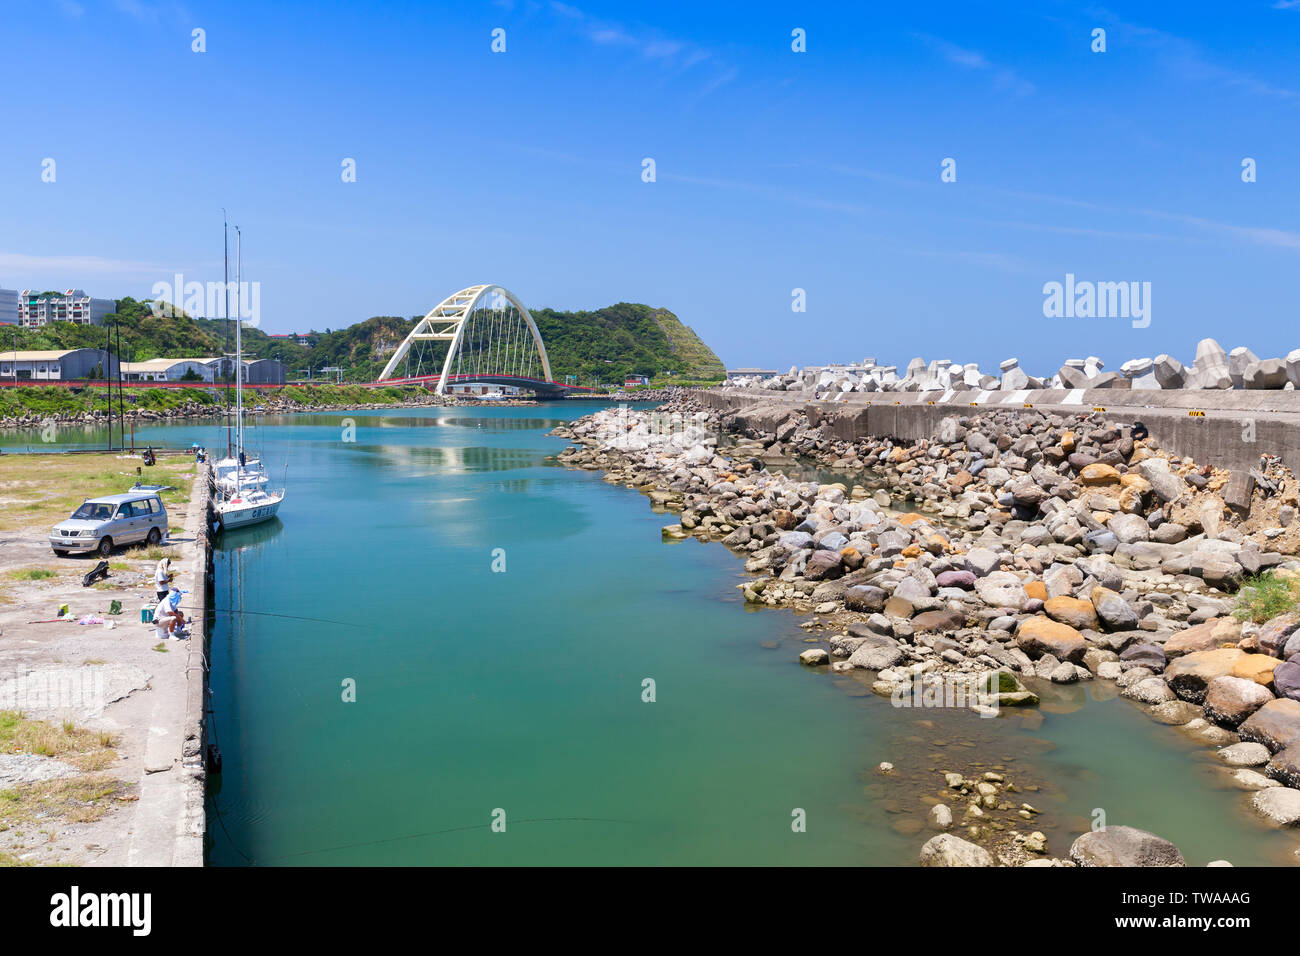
(522, 690)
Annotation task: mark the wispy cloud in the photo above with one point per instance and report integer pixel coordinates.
(1004, 78)
(1187, 60)
(673, 54)
(19, 265)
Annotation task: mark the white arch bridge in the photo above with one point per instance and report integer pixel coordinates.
(479, 335)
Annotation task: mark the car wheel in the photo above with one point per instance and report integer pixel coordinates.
(105, 547)
(154, 536)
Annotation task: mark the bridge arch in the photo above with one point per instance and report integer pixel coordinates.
(449, 320)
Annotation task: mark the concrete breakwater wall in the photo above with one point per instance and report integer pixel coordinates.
(1229, 429)
(198, 524)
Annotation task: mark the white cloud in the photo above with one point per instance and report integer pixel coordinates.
(1003, 77)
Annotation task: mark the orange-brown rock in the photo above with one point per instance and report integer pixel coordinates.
(1072, 611)
(1098, 475)
(1256, 667)
(1041, 635)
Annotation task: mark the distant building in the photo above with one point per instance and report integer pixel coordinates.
(264, 372)
(176, 370)
(302, 338)
(472, 390)
(63, 365)
(636, 380)
(35, 309)
(8, 306)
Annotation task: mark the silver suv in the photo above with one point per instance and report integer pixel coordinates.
(100, 524)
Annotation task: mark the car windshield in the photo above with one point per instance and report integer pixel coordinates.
(94, 511)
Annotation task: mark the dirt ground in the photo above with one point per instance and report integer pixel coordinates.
(90, 769)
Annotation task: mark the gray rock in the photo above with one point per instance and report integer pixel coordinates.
(982, 561)
(1280, 806)
(865, 598)
(1152, 690)
(948, 850)
(1230, 700)
(1245, 755)
(1124, 846)
(877, 652)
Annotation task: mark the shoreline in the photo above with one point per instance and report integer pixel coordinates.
(981, 579)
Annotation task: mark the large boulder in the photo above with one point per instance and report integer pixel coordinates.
(865, 598)
(1202, 637)
(1256, 667)
(1286, 679)
(822, 565)
(1041, 635)
(982, 561)
(1280, 806)
(947, 619)
(1001, 589)
(948, 850)
(1190, 675)
(1113, 611)
(876, 652)
(1285, 766)
(1124, 846)
(1230, 700)
(1072, 611)
(1274, 635)
(1276, 725)
(1129, 528)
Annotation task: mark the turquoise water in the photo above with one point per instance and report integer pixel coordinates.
(522, 690)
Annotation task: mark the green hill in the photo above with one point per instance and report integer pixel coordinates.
(605, 345)
(624, 339)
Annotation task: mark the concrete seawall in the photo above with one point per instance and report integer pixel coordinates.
(1227, 428)
(171, 822)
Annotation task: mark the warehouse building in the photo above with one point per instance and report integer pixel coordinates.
(65, 365)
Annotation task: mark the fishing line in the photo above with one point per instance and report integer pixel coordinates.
(291, 617)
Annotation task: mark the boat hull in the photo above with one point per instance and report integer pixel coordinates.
(232, 515)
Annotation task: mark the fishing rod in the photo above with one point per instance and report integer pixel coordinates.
(291, 617)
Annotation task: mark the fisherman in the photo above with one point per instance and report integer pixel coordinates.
(149, 456)
(162, 579)
(167, 616)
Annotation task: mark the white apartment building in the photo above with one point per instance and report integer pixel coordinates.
(75, 305)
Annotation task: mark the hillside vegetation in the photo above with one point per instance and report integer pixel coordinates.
(604, 345)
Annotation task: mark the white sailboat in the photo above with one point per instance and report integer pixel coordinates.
(244, 495)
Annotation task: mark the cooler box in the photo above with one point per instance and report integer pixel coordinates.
(146, 614)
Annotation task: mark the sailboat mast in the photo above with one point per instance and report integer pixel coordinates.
(225, 284)
(239, 364)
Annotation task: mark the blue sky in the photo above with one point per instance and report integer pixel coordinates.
(776, 170)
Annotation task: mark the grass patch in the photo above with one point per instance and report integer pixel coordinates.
(8, 859)
(1265, 596)
(44, 489)
(72, 799)
(22, 734)
(156, 552)
(32, 574)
